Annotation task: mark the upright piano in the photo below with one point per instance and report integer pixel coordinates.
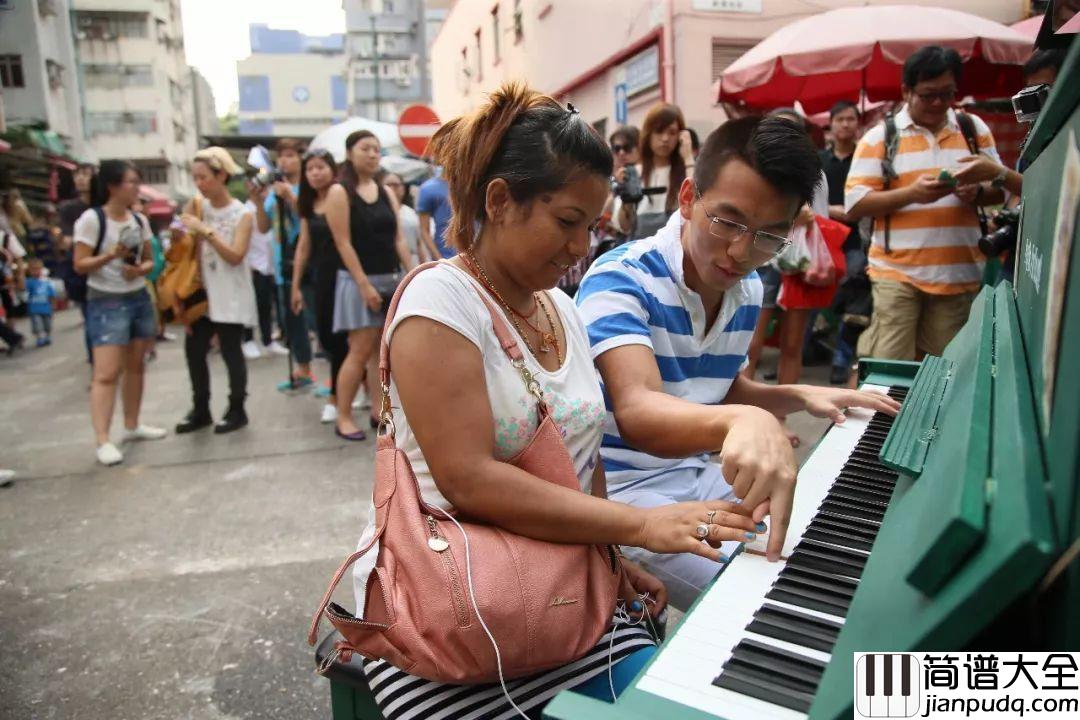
(954, 526)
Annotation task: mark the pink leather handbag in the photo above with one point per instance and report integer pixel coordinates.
(545, 604)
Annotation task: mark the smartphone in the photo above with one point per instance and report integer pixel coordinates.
(947, 177)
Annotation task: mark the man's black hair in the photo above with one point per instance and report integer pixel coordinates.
(773, 147)
(629, 133)
(931, 62)
(842, 105)
(1042, 59)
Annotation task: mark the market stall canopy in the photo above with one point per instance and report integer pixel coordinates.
(333, 137)
(156, 202)
(835, 55)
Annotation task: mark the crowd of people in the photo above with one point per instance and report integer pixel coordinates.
(674, 260)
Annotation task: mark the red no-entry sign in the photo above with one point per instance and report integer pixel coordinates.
(416, 126)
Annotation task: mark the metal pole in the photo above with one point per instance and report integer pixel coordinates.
(375, 55)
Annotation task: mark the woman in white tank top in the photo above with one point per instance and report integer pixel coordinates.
(223, 234)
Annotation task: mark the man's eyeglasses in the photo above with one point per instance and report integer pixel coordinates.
(621, 149)
(766, 245)
(945, 96)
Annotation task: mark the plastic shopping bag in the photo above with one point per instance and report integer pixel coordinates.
(796, 256)
(820, 271)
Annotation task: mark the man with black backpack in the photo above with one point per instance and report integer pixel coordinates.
(924, 263)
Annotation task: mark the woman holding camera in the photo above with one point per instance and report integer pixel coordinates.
(120, 322)
(222, 233)
(373, 254)
(666, 160)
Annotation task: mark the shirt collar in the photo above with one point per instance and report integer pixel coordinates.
(904, 121)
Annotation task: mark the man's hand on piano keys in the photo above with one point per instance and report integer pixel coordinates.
(674, 528)
(831, 403)
(759, 464)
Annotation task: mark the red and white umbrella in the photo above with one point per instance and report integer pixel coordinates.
(836, 55)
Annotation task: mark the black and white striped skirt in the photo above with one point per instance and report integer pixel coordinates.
(401, 696)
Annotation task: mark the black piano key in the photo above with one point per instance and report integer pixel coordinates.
(876, 469)
(842, 586)
(885, 489)
(836, 538)
(846, 508)
(846, 494)
(825, 561)
(867, 490)
(832, 510)
(853, 530)
(740, 681)
(886, 672)
(794, 627)
(869, 660)
(905, 675)
(779, 680)
(801, 596)
(774, 659)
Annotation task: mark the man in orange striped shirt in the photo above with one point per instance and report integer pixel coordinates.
(925, 277)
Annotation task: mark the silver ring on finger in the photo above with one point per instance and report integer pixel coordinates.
(711, 514)
(703, 531)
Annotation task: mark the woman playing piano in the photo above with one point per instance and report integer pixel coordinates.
(527, 180)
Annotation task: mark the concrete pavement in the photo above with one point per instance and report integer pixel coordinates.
(180, 583)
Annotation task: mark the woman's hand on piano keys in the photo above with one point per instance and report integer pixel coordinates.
(674, 528)
(831, 403)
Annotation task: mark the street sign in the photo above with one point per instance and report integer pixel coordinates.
(416, 126)
(620, 104)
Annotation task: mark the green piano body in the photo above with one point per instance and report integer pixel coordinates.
(978, 548)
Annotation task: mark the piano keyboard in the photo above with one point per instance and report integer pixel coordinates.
(756, 645)
(887, 689)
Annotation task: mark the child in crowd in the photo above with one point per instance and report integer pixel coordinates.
(40, 297)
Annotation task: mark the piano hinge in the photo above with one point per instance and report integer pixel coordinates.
(991, 490)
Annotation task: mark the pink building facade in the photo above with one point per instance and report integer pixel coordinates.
(613, 59)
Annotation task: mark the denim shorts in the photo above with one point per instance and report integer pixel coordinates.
(119, 319)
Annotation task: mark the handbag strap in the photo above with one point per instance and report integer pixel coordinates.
(502, 332)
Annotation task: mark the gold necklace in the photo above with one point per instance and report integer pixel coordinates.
(547, 339)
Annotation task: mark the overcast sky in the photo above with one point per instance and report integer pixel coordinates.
(216, 33)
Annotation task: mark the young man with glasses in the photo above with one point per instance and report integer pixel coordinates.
(670, 320)
(924, 263)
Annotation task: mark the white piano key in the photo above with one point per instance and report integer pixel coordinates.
(819, 471)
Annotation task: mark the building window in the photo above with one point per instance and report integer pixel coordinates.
(120, 123)
(495, 34)
(179, 133)
(11, 71)
(725, 52)
(479, 58)
(55, 73)
(112, 77)
(153, 172)
(46, 8)
(519, 22)
(388, 7)
(95, 25)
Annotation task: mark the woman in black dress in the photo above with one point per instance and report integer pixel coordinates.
(374, 256)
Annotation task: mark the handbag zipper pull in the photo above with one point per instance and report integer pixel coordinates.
(436, 542)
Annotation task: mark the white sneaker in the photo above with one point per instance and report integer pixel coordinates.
(109, 454)
(251, 350)
(276, 348)
(6, 475)
(329, 414)
(144, 432)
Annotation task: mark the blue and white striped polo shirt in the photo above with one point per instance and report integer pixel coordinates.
(636, 295)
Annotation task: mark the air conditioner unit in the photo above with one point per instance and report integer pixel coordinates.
(404, 81)
(80, 35)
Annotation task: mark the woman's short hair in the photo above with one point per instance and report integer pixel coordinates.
(522, 137)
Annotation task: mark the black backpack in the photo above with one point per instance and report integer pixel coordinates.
(892, 142)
